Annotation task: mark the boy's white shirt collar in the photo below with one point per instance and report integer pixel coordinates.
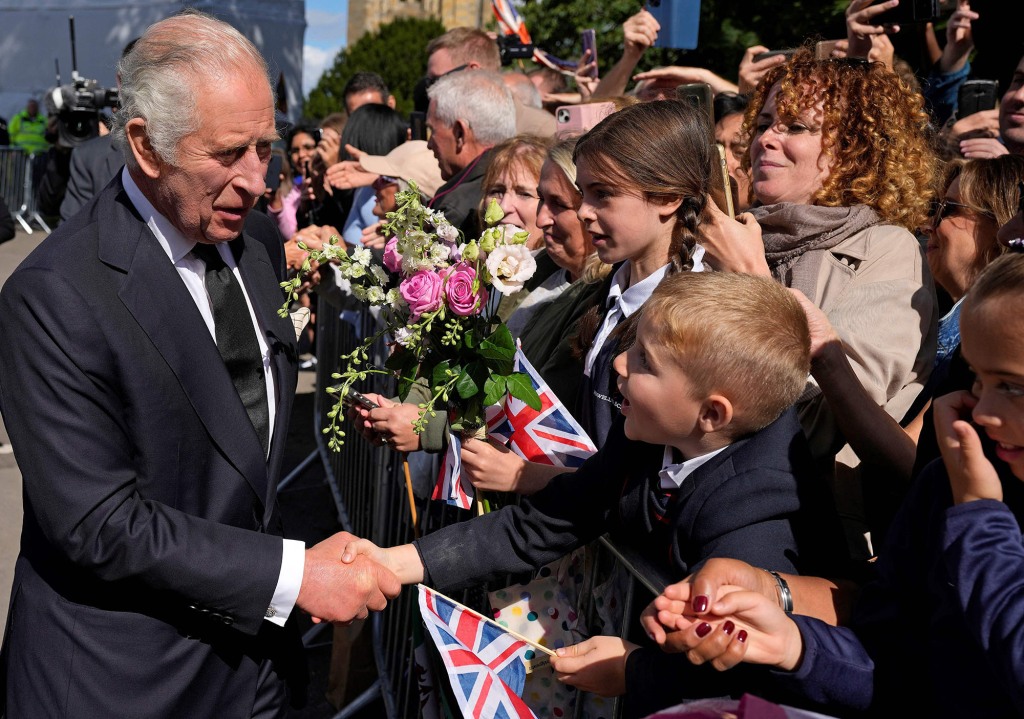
(674, 474)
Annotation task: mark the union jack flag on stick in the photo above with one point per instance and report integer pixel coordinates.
(486, 663)
(549, 435)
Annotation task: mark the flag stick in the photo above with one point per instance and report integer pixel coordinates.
(518, 636)
(412, 497)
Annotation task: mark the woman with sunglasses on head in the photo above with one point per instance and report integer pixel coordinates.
(840, 182)
(980, 196)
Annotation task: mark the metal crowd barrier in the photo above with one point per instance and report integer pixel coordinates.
(16, 188)
(373, 500)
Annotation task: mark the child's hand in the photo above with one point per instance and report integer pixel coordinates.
(403, 561)
(971, 474)
(597, 665)
(489, 467)
(390, 423)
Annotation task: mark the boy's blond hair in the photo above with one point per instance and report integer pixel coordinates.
(740, 336)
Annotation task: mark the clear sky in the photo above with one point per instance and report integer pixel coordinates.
(326, 28)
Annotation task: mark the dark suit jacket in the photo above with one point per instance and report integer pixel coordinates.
(758, 500)
(93, 165)
(147, 558)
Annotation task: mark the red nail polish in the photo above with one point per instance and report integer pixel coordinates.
(728, 627)
(702, 629)
(700, 604)
(742, 636)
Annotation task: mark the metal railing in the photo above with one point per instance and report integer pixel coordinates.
(376, 499)
(16, 188)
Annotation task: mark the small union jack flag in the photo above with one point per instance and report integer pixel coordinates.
(485, 664)
(450, 486)
(549, 435)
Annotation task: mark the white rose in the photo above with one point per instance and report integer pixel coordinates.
(510, 267)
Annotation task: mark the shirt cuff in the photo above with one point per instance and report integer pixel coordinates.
(293, 563)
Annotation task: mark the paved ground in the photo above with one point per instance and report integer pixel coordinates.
(307, 506)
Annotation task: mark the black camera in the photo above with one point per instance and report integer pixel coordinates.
(510, 47)
(77, 107)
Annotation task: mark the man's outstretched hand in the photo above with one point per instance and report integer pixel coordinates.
(338, 592)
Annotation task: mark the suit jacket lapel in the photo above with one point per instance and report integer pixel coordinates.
(155, 295)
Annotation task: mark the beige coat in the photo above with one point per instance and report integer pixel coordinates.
(877, 292)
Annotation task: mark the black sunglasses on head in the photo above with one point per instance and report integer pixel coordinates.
(431, 80)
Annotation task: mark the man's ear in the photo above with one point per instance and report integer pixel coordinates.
(391, 102)
(715, 414)
(460, 131)
(138, 139)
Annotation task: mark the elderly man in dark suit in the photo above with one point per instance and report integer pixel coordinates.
(146, 381)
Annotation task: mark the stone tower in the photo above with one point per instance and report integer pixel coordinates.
(367, 15)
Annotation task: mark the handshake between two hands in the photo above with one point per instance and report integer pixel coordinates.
(345, 578)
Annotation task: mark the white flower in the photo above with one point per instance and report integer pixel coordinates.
(362, 255)
(379, 274)
(375, 295)
(394, 298)
(440, 253)
(411, 264)
(360, 292)
(353, 271)
(510, 267)
(448, 232)
(404, 337)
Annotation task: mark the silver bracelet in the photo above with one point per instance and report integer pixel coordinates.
(785, 596)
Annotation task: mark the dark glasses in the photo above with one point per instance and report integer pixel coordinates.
(431, 80)
(944, 208)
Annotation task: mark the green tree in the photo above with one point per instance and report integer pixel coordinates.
(397, 51)
(727, 28)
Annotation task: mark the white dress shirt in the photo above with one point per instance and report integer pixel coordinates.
(624, 300)
(192, 271)
(673, 473)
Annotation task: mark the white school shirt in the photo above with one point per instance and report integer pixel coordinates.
(624, 302)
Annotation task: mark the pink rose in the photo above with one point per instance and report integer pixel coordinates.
(422, 290)
(392, 259)
(458, 289)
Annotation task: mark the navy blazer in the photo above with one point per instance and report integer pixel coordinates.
(147, 557)
(758, 500)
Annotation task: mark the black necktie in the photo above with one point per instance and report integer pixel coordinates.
(236, 339)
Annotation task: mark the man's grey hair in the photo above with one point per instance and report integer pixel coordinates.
(480, 99)
(161, 78)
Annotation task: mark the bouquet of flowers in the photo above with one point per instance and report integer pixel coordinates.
(437, 293)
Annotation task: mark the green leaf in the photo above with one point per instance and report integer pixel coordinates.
(466, 386)
(494, 389)
(440, 374)
(503, 338)
(520, 387)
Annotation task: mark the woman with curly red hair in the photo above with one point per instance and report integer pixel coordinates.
(842, 172)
